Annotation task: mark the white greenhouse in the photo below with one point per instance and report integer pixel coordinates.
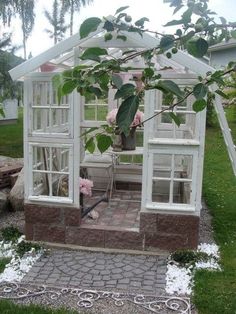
(160, 181)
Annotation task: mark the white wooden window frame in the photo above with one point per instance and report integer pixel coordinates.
(187, 151)
(51, 198)
(50, 131)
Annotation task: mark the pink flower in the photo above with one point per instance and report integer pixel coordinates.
(138, 118)
(86, 186)
(111, 117)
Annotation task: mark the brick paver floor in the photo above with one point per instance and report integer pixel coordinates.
(123, 210)
(99, 270)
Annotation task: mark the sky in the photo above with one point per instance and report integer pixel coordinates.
(158, 13)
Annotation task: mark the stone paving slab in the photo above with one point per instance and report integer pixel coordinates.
(100, 270)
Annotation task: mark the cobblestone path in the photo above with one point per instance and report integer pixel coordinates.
(98, 270)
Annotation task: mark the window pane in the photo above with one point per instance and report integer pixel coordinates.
(162, 162)
(40, 184)
(60, 186)
(41, 158)
(183, 166)
(182, 192)
(160, 191)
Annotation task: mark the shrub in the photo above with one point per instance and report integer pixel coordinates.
(10, 234)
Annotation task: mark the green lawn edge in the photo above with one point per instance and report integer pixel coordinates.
(215, 292)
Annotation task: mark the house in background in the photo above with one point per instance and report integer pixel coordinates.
(10, 92)
(221, 54)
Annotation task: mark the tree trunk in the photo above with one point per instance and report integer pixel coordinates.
(71, 17)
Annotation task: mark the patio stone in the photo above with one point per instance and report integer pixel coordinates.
(100, 270)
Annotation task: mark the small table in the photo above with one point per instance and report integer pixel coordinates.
(115, 155)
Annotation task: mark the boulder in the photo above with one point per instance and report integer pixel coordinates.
(4, 199)
(16, 196)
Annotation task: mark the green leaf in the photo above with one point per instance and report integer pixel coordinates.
(186, 16)
(167, 42)
(103, 142)
(68, 87)
(108, 26)
(117, 81)
(122, 37)
(2, 113)
(200, 90)
(95, 90)
(197, 47)
(175, 3)
(140, 22)
(93, 54)
(90, 145)
(170, 86)
(148, 72)
(222, 94)
(104, 79)
(175, 118)
(125, 91)
(199, 105)
(233, 34)
(121, 9)
(126, 113)
(88, 26)
(57, 85)
(108, 36)
(90, 130)
(174, 22)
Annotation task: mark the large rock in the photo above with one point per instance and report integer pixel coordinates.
(16, 196)
(4, 199)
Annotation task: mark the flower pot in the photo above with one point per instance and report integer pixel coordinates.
(129, 142)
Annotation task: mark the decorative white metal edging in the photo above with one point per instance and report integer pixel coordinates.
(88, 298)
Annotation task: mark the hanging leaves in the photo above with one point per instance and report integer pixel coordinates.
(93, 53)
(167, 42)
(88, 26)
(121, 9)
(125, 91)
(200, 90)
(90, 145)
(199, 105)
(175, 118)
(197, 47)
(170, 86)
(103, 142)
(126, 113)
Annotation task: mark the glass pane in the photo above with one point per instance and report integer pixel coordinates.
(182, 192)
(165, 118)
(160, 191)
(40, 120)
(102, 111)
(162, 162)
(89, 112)
(41, 158)
(60, 185)
(183, 166)
(59, 121)
(60, 159)
(40, 184)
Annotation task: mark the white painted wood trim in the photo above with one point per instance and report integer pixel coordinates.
(58, 49)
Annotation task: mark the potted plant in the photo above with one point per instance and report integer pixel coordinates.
(126, 142)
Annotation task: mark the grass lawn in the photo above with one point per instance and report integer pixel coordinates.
(215, 292)
(11, 138)
(7, 307)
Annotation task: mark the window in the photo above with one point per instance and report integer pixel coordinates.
(172, 178)
(51, 171)
(48, 115)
